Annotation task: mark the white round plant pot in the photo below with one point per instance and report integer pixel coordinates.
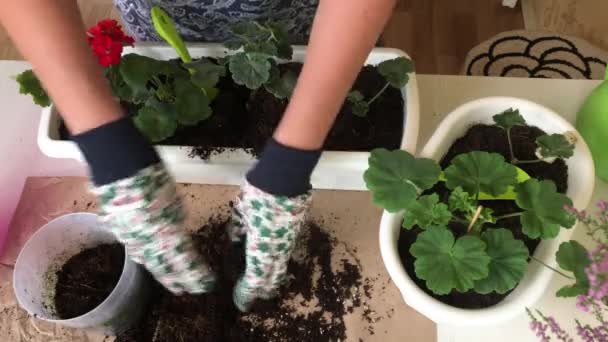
(581, 178)
(45, 253)
(335, 170)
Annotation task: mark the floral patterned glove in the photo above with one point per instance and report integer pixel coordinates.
(268, 215)
(139, 203)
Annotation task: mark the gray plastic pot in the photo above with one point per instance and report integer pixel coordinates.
(49, 248)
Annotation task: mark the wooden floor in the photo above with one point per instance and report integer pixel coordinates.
(439, 33)
(436, 33)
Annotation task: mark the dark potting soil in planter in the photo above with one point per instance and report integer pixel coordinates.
(489, 139)
(213, 316)
(87, 279)
(245, 119)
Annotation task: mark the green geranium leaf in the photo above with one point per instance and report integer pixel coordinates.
(264, 47)
(206, 74)
(573, 257)
(156, 125)
(446, 264)
(30, 85)
(486, 216)
(555, 145)
(481, 171)
(509, 118)
(138, 72)
(543, 209)
(358, 105)
(281, 39)
(508, 261)
(281, 86)
(191, 103)
(395, 71)
(426, 212)
(269, 38)
(460, 200)
(396, 177)
(119, 87)
(250, 69)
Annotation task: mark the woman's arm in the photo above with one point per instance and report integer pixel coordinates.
(342, 36)
(51, 36)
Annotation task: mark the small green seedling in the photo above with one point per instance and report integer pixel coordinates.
(257, 47)
(550, 147)
(485, 259)
(394, 71)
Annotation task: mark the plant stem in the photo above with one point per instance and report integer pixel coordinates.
(460, 220)
(508, 216)
(378, 94)
(475, 217)
(528, 161)
(551, 268)
(513, 159)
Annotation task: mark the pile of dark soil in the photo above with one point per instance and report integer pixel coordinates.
(288, 317)
(489, 139)
(87, 279)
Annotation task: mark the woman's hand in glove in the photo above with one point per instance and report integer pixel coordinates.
(139, 204)
(268, 215)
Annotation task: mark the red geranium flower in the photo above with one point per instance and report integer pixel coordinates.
(107, 40)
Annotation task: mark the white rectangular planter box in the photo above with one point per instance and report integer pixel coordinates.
(336, 170)
(581, 182)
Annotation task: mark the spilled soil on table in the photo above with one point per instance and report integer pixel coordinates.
(489, 139)
(308, 308)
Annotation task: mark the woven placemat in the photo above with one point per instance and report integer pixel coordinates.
(537, 54)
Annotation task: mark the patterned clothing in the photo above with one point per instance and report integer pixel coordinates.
(211, 20)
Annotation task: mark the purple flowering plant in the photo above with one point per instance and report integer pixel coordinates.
(590, 272)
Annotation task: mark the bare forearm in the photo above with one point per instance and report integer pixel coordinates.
(341, 39)
(51, 35)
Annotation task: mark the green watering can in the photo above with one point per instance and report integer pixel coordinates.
(592, 123)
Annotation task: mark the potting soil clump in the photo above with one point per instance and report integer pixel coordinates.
(87, 279)
(311, 307)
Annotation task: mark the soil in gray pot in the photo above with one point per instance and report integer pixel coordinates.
(87, 279)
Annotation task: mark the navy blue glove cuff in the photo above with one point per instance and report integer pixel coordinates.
(283, 171)
(115, 151)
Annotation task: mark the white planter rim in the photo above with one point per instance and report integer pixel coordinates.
(581, 180)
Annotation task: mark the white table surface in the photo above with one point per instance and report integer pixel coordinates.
(439, 95)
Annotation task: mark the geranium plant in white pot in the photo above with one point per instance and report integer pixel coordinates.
(471, 227)
(211, 114)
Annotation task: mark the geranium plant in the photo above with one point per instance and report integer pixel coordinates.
(107, 40)
(395, 72)
(257, 46)
(485, 257)
(167, 93)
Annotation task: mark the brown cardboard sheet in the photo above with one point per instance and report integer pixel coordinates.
(348, 215)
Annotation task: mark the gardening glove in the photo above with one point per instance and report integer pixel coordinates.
(139, 204)
(268, 215)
